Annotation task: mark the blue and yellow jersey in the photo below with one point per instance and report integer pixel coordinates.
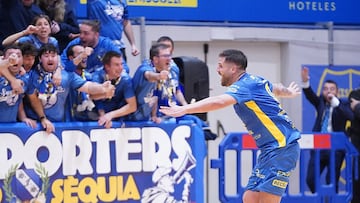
(261, 112)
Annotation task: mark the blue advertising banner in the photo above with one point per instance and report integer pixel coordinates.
(81, 162)
(347, 78)
(256, 11)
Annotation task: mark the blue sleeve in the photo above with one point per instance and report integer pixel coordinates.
(108, 44)
(126, 12)
(96, 77)
(76, 81)
(129, 89)
(32, 82)
(25, 39)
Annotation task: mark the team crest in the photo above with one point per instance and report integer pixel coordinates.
(26, 185)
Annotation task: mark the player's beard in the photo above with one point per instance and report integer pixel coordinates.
(225, 81)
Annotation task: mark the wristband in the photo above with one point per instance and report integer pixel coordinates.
(42, 117)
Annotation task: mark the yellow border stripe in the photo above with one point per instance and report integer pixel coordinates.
(274, 130)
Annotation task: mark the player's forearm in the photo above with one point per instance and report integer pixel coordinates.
(209, 104)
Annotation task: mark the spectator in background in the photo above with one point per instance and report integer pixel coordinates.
(90, 37)
(114, 18)
(16, 15)
(332, 114)
(124, 101)
(64, 23)
(172, 91)
(53, 97)
(145, 80)
(29, 53)
(354, 132)
(82, 106)
(38, 33)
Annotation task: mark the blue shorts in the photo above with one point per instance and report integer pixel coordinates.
(272, 171)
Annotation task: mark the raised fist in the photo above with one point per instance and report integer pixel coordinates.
(88, 51)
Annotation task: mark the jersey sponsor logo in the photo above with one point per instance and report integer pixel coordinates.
(279, 183)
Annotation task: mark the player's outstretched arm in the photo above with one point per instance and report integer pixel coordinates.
(204, 105)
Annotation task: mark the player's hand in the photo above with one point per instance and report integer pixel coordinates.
(173, 111)
(294, 89)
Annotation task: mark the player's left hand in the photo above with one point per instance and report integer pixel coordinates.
(294, 90)
(173, 110)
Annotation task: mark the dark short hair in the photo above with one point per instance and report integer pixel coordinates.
(165, 39)
(47, 48)
(331, 82)
(109, 55)
(11, 46)
(155, 49)
(70, 50)
(235, 56)
(28, 48)
(355, 94)
(94, 24)
(36, 18)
